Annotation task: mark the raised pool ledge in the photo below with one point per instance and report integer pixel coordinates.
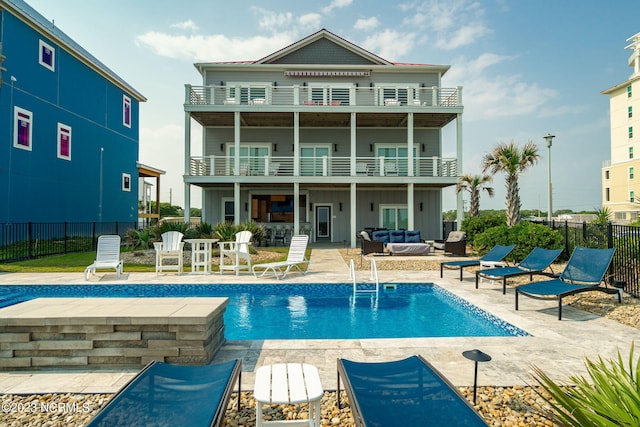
(110, 333)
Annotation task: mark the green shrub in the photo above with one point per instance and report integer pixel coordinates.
(226, 231)
(610, 397)
(138, 239)
(476, 225)
(203, 230)
(524, 235)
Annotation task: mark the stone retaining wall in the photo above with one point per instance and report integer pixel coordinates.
(110, 332)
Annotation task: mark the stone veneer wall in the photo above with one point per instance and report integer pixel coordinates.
(186, 331)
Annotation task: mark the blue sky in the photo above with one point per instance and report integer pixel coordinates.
(527, 67)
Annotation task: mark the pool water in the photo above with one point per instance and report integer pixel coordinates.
(310, 311)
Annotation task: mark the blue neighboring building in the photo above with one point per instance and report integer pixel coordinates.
(68, 127)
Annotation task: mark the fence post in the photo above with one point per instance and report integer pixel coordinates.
(65, 237)
(566, 239)
(609, 235)
(29, 231)
(93, 236)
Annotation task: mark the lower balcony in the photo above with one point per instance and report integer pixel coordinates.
(323, 166)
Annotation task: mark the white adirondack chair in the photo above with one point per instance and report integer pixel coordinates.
(170, 248)
(235, 252)
(107, 256)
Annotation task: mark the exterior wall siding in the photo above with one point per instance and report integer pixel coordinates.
(38, 186)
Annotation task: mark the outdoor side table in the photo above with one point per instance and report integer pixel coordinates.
(491, 264)
(289, 383)
(201, 250)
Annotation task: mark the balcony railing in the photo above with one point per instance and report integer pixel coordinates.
(323, 166)
(318, 95)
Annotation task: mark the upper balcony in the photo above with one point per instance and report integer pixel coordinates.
(365, 169)
(213, 105)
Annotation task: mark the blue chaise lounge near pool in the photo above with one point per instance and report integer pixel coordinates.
(536, 262)
(496, 254)
(408, 392)
(584, 272)
(164, 394)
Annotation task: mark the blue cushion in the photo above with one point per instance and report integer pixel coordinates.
(412, 236)
(396, 236)
(381, 236)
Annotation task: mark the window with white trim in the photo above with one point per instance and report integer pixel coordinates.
(393, 159)
(248, 93)
(629, 91)
(22, 129)
(394, 217)
(632, 196)
(126, 111)
(252, 157)
(315, 159)
(631, 173)
(631, 152)
(64, 142)
(398, 94)
(329, 93)
(630, 111)
(126, 182)
(46, 55)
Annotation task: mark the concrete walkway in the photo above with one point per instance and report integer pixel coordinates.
(559, 347)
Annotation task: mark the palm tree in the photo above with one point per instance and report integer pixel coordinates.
(512, 160)
(474, 184)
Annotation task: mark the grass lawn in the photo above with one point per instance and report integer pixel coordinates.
(77, 262)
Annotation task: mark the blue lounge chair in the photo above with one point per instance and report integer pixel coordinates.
(496, 254)
(407, 392)
(536, 262)
(164, 394)
(584, 272)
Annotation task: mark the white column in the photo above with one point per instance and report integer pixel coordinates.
(410, 144)
(296, 144)
(296, 208)
(460, 202)
(236, 202)
(410, 207)
(353, 214)
(352, 149)
(236, 142)
(187, 164)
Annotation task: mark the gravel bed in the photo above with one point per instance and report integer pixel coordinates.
(499, 406)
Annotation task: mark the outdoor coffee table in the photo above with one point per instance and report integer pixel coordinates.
(289, 383)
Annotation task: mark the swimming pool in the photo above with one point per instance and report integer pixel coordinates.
(310, 311)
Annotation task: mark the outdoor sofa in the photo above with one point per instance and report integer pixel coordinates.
(399, 242)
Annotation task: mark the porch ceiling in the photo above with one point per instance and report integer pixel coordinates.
(322, 119)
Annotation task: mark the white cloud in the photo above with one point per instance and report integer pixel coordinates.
(310, 20)
(452, 24)
(212, 48)
(273, 21)
(366, 24)
(336, 4)
(389, 44)
(463, 36)
(186, 25)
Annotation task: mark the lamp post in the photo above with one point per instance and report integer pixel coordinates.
(549, 138)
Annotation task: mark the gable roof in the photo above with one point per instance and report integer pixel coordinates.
(287, 56)
(31, 17)
(326, 35)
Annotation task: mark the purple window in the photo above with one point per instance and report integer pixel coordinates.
(126, 111)
(64, 142)
(22, 133)
(47, 56)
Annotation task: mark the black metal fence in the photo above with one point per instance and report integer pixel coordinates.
(624, 238)
(32, 240)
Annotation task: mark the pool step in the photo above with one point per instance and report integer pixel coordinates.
(10, 298)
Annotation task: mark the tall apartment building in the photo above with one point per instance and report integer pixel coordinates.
(324, 138)
(620, 183)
